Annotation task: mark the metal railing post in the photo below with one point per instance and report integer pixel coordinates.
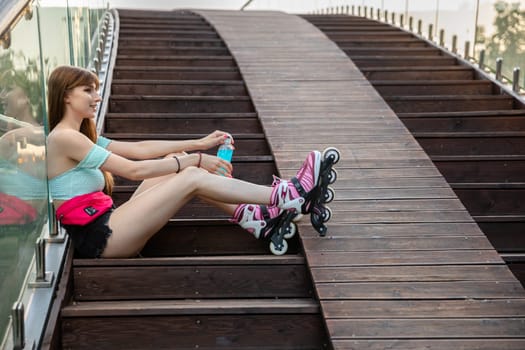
(442, 38)
(378, 14)
(386, 16)
(499, 66)
(353, 10)
(481, 62)
(466, 53)
(43, 278)
(17, 317)
(430, 31)
(516, 79)
(359, 11)
(401, 20)
(393, 18)
(454, 43)
(419, 27)
(56, 235)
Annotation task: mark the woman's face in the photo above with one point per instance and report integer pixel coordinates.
(83, 101)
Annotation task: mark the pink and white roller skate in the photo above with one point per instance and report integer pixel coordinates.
(308, 191)
(268, 223)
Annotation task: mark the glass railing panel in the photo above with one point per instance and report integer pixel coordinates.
(23, 187)
(500, 33)
(54, 24)
(457, 18)
(424, 11)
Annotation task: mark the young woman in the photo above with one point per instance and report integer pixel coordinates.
(79, 163)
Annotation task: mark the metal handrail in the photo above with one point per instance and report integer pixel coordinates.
(513, 87)
(246, 5)
(10, 14)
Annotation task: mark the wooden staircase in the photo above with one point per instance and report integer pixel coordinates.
(473, 131)
(201, 282)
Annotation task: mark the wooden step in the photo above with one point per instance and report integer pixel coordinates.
(128, 25)
(179, 50)
(477, 121)
(194, 324)
(350, 35)
(418, 73)
(180, 104)
(208, 237)
(167, 32)
(193, 123)
(179, 87)
(432, 87)
(402, 61)
(481, 168)
(483, 200)
(506, 233)
(249, 147)
(158, 17)
(170, 42)
(472, 143)
(446, 103)
(177, 61)
(351, 28)
(408, 42)
(395, 51)
(206, 277)
(176, 73)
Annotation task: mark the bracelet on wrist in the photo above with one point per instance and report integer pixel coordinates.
(178, 164)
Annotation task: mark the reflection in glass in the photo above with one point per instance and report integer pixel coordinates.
(23, 188)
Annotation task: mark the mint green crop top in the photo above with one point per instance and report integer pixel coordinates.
(85, 178)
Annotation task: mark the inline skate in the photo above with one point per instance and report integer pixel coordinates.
(267, 223)
(309, 191)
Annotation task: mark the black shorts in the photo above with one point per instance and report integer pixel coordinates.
(90, 240)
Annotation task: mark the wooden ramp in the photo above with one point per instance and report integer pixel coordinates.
(472, 130)
(404, 265)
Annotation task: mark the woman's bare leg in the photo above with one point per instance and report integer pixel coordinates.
(148, 183)
(134, 222)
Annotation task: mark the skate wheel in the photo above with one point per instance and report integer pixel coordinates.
(326, 214)
(318, 224)
(332, 176)
(332, 153)
(290, 231)
(329, 195)
(276, 251)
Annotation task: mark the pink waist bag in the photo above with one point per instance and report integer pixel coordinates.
(83, 209)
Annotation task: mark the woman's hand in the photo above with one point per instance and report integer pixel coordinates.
(216, 165)
(214, 139)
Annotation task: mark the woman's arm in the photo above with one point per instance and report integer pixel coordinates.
(154, 149)
(145, 169)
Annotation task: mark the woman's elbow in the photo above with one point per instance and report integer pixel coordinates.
(136, 172)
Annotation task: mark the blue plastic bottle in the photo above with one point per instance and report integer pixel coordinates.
(225, 150)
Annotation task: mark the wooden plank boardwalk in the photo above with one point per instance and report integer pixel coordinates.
(404, 266)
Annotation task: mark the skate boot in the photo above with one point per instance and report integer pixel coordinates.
(308, 191)
(267, 223)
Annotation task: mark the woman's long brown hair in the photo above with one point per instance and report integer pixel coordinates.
(62, 80)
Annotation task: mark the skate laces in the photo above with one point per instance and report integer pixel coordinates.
(285, 195)
(292, 195)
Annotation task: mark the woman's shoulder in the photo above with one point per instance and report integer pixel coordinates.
(63, 137)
